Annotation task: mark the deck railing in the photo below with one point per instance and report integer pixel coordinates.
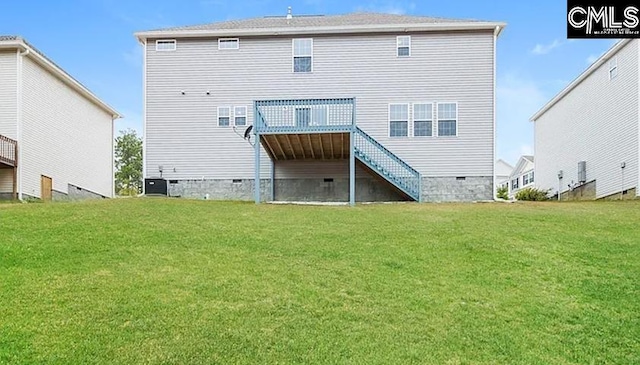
(8, 151)
(387, 164)
(304, 115)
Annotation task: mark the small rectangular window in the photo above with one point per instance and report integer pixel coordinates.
(398, 120)
(447, 119)
(240, 115)
(422, 120)
(515, 184)
(404, 45)
(303, 55)
(228, 43)
(613, 68)
(224, 116)
(165, 45)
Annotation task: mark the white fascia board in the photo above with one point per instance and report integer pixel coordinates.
(399, 28)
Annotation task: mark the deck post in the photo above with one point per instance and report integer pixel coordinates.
(256, 147)
(15, 171)
(352, 157)
(273, 180)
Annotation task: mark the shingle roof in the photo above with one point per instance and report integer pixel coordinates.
(305, 21)
(8, 37)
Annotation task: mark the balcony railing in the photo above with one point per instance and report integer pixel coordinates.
(304, 115)
(8, 151)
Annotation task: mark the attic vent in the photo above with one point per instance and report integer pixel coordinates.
(582, 172)
(289, 16)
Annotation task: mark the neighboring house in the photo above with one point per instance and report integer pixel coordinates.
(56, 137)
(522, 176)
(586, 137)
(503, 172)
(360, 106)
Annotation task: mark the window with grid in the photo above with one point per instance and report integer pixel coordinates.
(447, 119)
(302, 55)
(423, 120)
(228, 43)
(240, 115)
(224, 116)
(404, 45)
(515, 183)
(398, 120)
(165, 45)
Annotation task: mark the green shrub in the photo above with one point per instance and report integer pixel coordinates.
(503, 192)
(532, 194)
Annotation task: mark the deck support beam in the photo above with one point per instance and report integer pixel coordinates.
(273, 181)
(257, 169)
(352, 170)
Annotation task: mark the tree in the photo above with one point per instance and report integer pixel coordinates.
(128, 161)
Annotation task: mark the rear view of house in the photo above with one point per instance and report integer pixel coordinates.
(355, 107)
(586, 137)
(56, 137)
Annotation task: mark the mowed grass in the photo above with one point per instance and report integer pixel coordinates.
(159, 281)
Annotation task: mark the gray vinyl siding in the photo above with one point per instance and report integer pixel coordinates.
(182, 133)
(64, 136)
(596, 122)
(8, 108)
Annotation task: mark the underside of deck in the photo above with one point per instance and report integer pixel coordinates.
(317, 146)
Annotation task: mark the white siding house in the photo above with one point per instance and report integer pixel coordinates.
(420, 89)
(522, 176)
(63, 133)
(586, 137)
(503, 172)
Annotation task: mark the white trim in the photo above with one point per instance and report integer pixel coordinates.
(413, 118)
(638, 66)
(389, 120)
(58, 72)
(613, 50)
(144, 113)
(398, 45)
(230, 116)
(246, 116)
(614, 68)
(221, 40)
(457, 118)
(166, 41)
(493, 145)
(293, 55)
(19, 78)
(363, 28)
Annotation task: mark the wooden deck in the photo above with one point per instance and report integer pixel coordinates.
(316, 146)
(9, 159)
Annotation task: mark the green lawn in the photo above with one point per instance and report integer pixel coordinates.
(157, 281)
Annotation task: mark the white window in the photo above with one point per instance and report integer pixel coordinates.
(515, 184)
(303, 55)
(404, 45)
(224, 116)
(613, 68)
(240, 115)
(398, 120)
(527, 178)
(165, 45)
(423, 120)
(447, 119)
(228, 43)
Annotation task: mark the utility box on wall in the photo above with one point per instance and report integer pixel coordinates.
(155, 186)
(582, 172)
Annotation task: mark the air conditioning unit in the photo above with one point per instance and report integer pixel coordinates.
(155, 186)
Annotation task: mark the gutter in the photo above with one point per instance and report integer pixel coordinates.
(350, 29)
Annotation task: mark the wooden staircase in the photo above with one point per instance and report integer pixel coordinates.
(9, 159)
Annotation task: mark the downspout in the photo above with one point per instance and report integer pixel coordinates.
(20, 54)
(496, 32)
(144, 114)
